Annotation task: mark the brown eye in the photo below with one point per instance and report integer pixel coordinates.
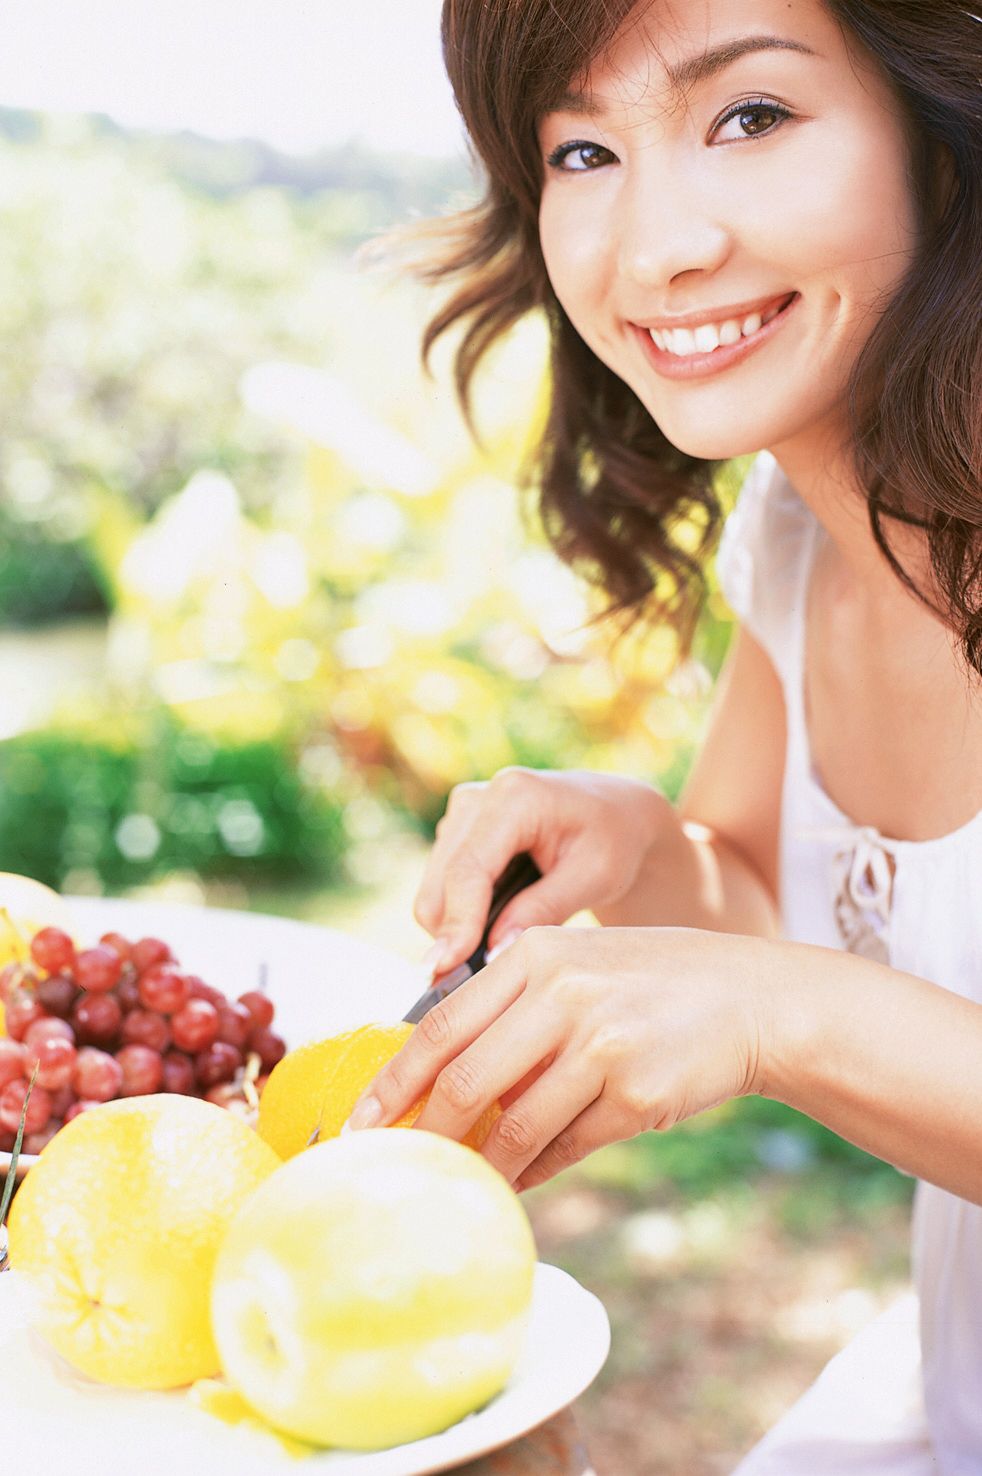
(758, 120)
(578, 156)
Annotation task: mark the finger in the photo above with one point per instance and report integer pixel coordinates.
(541, 1115)
(509, 820)
(451, 831)
(584, 1135)
(446, 1030)
(510, 1048)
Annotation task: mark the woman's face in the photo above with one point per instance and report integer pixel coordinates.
(726, 211)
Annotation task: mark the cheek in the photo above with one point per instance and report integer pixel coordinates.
(575, 252)
(848, 219)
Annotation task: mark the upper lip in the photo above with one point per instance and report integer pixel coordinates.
(697, 317)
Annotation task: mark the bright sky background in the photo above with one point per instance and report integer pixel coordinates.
(298, 73)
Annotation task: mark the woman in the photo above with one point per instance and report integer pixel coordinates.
(753, 225)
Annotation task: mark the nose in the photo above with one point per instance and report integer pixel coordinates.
(669, 228)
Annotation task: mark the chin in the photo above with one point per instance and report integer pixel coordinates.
(712, 443)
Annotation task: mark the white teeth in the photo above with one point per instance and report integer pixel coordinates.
(707, 338)
(710, 336)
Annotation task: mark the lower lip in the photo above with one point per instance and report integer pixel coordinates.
(701, 366)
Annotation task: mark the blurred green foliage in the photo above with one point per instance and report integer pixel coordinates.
(219, 428)
(128, 805)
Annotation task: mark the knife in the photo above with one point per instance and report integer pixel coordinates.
(520, 873)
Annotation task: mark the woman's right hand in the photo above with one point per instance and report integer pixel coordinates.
(589, 835)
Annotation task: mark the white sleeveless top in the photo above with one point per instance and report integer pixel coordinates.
(916, 905)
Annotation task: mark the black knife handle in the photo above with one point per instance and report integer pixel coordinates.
(520, 873)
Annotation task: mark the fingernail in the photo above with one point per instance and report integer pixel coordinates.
(366, 1114)
(512, 936)
(434, 956)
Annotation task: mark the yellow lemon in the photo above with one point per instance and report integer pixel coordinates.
(317, 1085)
(117, 1227)
(26, 906)
(374, 1290)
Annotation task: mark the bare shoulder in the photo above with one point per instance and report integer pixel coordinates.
(735, 785)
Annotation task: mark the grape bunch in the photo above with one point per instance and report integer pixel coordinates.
(122, 1019)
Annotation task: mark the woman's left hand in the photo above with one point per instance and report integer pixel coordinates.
(586, 1036)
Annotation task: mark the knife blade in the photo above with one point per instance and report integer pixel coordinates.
(520, 873)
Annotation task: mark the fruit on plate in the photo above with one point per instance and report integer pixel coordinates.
(122, 1019)
(374, 1289)
(117, 1228)
(316, 1086)
(25, 906)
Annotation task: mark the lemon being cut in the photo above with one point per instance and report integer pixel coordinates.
(316, 1086)
(117, 1227)
(374, 1290)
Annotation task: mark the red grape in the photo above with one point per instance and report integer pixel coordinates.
(7, 1140)
(127, 991)
(52, 950)
(163, 989)
(98, 1076)
(217, 1062)
(12, 1104)
(48, 1028)
(98, 969)
(22, 1009)
(147, 952)
(97, 1019)
(61, 1100)
(122, 945)
(195, 1026)
(13, 1057)
(269, 1047)
(260, 1007)
(82, 1105)
(146, 1027)
(58, 993)
(198, 989)
(55, 1061)
(143, 1070)
(234, 1024)
(178, 1073)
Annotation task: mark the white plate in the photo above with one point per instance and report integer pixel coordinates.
(49, 1410)
(320, 980)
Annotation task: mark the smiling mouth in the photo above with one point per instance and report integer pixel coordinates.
(680, 352)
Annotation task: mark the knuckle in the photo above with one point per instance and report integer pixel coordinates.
(564, 1150)
(515, 1135)
(512, 782)
(634, 1105)
(462, 796)
(459, 1084)
(435, 1029)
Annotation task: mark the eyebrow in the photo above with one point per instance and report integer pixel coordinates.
(694, 69)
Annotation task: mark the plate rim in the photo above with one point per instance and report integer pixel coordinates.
(432, 1454)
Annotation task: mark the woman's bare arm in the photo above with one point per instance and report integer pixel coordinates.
(718, 866)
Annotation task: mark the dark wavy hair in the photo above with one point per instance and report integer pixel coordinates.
(613, 491)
